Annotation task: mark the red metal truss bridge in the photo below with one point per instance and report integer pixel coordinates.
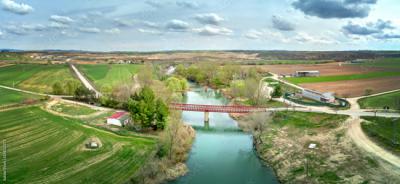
(215, 108)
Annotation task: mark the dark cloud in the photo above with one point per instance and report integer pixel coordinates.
(387, 36)
(335, 8)
(281, 24)
(376, 30)
(187, 4)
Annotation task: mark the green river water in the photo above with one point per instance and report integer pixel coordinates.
(221, 154)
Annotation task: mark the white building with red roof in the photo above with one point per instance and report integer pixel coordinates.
(119, 119)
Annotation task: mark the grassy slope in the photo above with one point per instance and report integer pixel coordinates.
(12, 97)
(107, 76)
(299, 80)
(71, 109)
(34, 77)
(47, 148)
(384, 131)
(378, 102)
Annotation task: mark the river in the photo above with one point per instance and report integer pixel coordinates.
(222, 153)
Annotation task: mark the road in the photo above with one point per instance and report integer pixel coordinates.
(33, 93)
(84, 81)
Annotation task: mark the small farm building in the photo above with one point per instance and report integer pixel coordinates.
(119, 119)
(311, 73)
(321, 97)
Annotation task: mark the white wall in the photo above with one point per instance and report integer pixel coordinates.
(116, 122)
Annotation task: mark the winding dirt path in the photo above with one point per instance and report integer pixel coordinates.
(362, 141)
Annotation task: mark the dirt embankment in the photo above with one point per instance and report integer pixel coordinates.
(335, 158)
(168, 168)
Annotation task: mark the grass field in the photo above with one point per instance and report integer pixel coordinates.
(44, 148)
(386, 63)
(35, 77)
(107, 76)
(305, 120)
(385, 131)
(72, 109)
(299, 80)
(378, 102)
(12, 97)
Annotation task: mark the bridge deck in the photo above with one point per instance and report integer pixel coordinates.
(215, 108)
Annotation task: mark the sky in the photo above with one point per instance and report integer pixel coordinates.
(150, 25)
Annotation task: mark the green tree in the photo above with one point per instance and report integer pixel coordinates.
(71, 86)
(57, 88)
(84, 94)
(148, 111)
(277, 92)
(176, 85)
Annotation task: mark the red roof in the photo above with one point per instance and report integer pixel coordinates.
(117, 115)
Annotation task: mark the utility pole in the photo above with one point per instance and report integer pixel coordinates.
(4, 161)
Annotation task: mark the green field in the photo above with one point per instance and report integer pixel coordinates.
(72, 109)
(306, 120)
(13, 97)
(35, 77)
(378, 102)
(385, 63)
(107, 76)
(385, 131)
(299, 80)
(44, 148)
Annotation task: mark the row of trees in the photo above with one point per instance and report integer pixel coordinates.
(65, 88)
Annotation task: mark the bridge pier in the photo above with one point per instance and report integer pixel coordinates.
(206, 118)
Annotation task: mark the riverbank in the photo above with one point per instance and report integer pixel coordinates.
(313, 148)
(162, 167)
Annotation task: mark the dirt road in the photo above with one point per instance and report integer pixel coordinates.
(84, 81)
(361, 140)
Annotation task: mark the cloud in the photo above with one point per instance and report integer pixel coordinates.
(306, 38)
(123, 23)
(1, 34)
(16, 30)
(254, 34)
(18, 8)
(89, 30)
(57, 25)
(112, 31)
(187, 4)
(368, 29)
(177, 26)
(209, 18)
(61, 19)
(387, 36)
(34, 27)
(335, 8)
(281, 24)
(150, 31)
(153, 3)
(151, 24)
(213, 31)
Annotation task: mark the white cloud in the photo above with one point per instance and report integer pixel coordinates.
(304, 38)
(58, 25)
(123, 22)
(151, 24)
(213, 31)
(16, 30)
(149, 31)
(89, 30)
(254, 34)
(1, 34)
(61, 19)
(209, 18)
(112, 31)
(33, 27)
(18, 8)
(177, 25)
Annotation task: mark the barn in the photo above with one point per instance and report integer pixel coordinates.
(119, 119)
(321, 97)
(311, 73)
